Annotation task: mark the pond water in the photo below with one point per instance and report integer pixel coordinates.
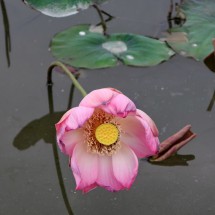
(174, 93)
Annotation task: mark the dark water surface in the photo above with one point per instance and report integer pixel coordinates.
(173, 93)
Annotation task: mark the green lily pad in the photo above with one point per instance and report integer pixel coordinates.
(194, 38)
(61, 8)
(80, 47)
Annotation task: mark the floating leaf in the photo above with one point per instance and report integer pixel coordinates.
(80, 47)
(61, 8)
(194, 38)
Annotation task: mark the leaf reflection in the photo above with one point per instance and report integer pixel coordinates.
(43, 128)
(6, 30)
(210, 59)
(210, 63)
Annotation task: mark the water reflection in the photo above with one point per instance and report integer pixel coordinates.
(175, 160)
(43, 128)
(177, 18)
(6, 30)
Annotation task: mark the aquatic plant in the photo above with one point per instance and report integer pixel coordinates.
(104, 136)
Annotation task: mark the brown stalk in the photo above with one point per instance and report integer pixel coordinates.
(171, 145)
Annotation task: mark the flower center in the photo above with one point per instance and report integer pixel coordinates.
(107, 134)
(102, 133)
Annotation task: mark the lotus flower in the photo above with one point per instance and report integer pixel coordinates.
(104, 137)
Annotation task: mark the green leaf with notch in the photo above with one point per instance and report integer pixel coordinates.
(194, 38)
(80, 47)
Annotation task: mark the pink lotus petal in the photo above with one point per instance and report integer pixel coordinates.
(73, 119)
(109, 100)
(65, 116)
(99, 97)
(78, 183)
(70, 139)
(106, 177)
(148, 119)
(120, 105)
(78, 117)
(115, 90)
(137, 134)
(76, 174)
(125, 166)
(138, 138)
(84, 166)
(89, 188)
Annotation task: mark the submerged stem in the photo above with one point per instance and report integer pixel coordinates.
(60, 179)
(69, 73)
(7, 31)
(55, 150)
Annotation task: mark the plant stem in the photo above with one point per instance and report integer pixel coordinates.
(69, 106)
(69, 73)
(107, 14)
(103, 23)
(56, 156)
(50, 99)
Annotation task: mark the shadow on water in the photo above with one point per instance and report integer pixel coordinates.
(212, 101)
(43, 128)
(175, 160)
(7, 31)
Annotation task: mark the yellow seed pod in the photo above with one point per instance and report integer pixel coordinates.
(107, 134)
